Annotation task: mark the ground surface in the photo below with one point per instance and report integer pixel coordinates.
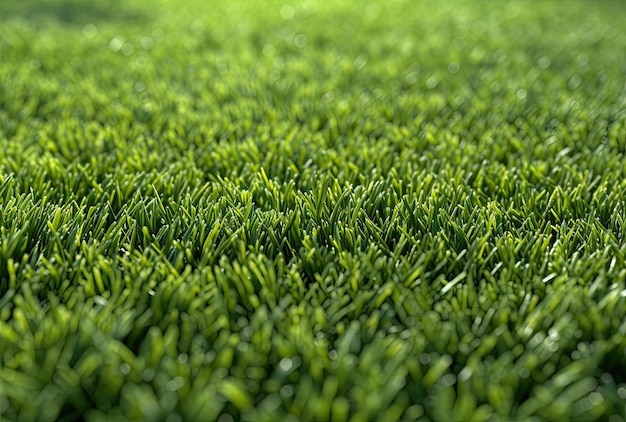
(327, 210)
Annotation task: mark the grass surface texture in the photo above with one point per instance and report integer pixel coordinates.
(322, 210)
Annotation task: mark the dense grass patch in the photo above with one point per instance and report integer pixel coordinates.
(312, 211)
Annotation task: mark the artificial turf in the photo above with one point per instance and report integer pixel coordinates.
(321, 210)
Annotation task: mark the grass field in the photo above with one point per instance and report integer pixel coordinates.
(324, 210)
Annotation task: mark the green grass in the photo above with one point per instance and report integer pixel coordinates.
(324, 210)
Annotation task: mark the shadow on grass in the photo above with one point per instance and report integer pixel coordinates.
(71, 11)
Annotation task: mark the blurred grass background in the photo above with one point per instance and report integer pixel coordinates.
(312, 210)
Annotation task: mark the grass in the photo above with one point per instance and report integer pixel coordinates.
(312, 211)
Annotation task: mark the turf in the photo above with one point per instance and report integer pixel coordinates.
(320, 210)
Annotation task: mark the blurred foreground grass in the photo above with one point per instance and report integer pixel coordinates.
(312, 211)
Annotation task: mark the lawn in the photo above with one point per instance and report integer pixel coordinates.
(323, 210)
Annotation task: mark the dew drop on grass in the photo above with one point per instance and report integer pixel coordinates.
(175, 384)
(285, 364)
(146, 43)
(552, 345)
(127, 49)
(286, 391)
(209, 356)
(574, 82)
(477, 54)
(247, 332)
(116, 44)
(543, 62)
(595, 398)
(412, 78)
(448, 380)
(584, 404)
(500, 56)
(360, 61)
(328, 97)
(242, 322)
(465, 374)
(523, 373)
(394, 329)
(275, 75)
(35, 64)
(300, 41)
(432, 82)
(148, 375)
(606, 378)
(454, 67)
(90, 31)
(287, 12)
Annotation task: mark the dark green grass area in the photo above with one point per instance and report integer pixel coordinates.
(319, 210)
